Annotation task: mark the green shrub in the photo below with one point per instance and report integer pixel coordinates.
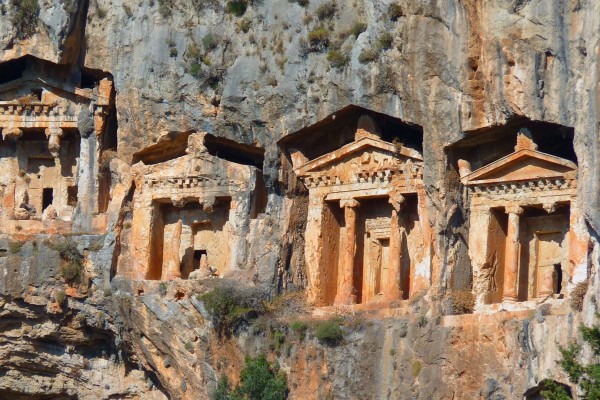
(422, 321)
(326, 11)
(164, 7)
(15, 247)
(173, 53)
(300, 327)
(236, 7)
(25, 14)
(329, 332)
(385, 41)
(189, 347)
(72, 269)
(223, 391)
(72, 272)
(586, 376)
(318, 38)
(245, 25)
(68, 251)
(210, 41)
(395, 11)
(358, 28)
(259, 380)
(277, 339)
(368, 55)
(552, 390)
(162, 289)
(230, 307)
(195, 69)
(337, 59)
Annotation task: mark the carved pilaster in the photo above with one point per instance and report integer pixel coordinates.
(511, 266)
(345, 294)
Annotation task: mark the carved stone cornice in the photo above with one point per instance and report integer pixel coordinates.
(14, 108)
(378, 176)
(525, 186)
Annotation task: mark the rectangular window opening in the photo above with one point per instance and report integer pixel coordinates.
(47, 198)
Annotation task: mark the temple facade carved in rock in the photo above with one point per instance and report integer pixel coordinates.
(190, 215)
(367, 233)
(51, 141)
(527, 238)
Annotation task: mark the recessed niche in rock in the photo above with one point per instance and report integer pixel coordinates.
(191, 215)
(367, 237)
(51, 135)
(527, 238)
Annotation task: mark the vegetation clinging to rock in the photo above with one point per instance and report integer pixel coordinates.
(577, 295)
(230, 307)
(395, 11)
(329, 332)
(586, 376)
(259, 380)
(461, 302)
(318, 38)
(326, 11)
(25, 14)
(72, 270)
(337, 58)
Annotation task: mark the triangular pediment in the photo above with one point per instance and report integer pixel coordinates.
(363, 151)
(522, 165)
(25, 85)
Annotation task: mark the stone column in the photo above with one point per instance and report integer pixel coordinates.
(172, 261)
(345, 293)
(511, 256)
(392, 281)
(546, 278)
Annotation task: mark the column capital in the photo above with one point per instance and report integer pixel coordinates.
(11, 133)
(514, 209)
(396, 200)
(351, 203)
(549, 207)
(54, 132)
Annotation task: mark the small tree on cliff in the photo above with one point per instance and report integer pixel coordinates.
(258, 381)
(586, 376)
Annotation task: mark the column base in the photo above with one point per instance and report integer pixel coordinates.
(344, 300)
(395, 295)
(509, 299)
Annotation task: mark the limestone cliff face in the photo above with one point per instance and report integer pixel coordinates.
(456, 68)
